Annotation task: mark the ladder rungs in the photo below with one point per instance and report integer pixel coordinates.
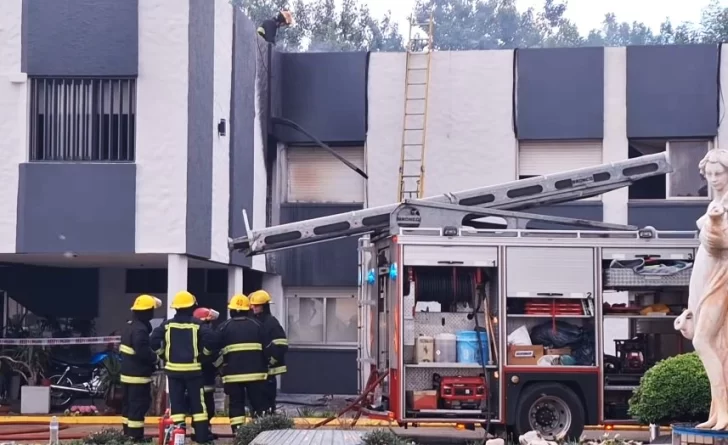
(412, 160)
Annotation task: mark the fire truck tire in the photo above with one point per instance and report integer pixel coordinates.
(552, 409)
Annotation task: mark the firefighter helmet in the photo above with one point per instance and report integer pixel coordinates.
(205, 314)
(259, 297)
(239, 302)
(146, 302)
(183, 299)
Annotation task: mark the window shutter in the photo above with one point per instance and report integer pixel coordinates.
(537, 158)
(315, 175)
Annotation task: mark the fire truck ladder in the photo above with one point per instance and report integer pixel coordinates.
(461, 208)
(414, 133)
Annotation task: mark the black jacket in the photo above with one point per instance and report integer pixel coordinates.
(138, 360)
(268, 30)
(188, 342)
(242, 341)
(277, 346)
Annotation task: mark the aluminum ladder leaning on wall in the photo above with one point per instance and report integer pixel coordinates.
(414, 133)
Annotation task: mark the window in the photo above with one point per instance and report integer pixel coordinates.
(314, 175)
(685, 182)
(322, 316)
(538, 158)
(82, 119)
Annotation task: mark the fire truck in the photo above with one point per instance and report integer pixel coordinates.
(465, 321)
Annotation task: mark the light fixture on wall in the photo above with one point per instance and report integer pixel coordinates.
(221, 127)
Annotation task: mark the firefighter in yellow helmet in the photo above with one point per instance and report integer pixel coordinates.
(182, 341)
(137, 365)
(269, 28)
(244, 361)
(277, 347)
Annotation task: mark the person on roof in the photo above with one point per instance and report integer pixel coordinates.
(182, 342)
(244, 361)
(137, 366)
(269, 28)
(260, 302)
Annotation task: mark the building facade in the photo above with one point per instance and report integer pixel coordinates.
(134, 133)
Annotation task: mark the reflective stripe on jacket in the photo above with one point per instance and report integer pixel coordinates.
(241, 343)
(277, 346)
(182, 341)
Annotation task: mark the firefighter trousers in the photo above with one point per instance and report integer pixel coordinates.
(239, 394)
(210, 400)
(136, 399)
(271, 392)
(179, 387)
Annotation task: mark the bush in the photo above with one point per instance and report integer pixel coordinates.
(249, 431)
(674, 390)
(107, 436)
(384, 437)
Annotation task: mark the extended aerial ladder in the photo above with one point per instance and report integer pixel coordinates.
(464, 208)
(414, 130)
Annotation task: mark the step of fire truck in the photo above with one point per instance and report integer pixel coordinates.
(502, 200)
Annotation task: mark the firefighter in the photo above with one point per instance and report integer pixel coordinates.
(209, 371)
(278, 346)
(181, 341)
(138, 364)
(245, 361)
(269, 28)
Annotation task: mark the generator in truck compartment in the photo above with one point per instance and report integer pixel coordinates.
(461, 392)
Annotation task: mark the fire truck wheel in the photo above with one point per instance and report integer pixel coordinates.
(551, 409)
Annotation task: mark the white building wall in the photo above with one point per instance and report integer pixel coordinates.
(470, 140)
(13, 121)
(221, 144)
(161, 144)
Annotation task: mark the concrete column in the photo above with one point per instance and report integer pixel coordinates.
(176, 278)
(615, 142)
(235, 281)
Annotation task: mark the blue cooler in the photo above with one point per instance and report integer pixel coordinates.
(467, 347)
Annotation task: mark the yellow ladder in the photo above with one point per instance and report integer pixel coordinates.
(414, 134)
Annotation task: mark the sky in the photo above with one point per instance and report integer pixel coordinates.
(587, 14)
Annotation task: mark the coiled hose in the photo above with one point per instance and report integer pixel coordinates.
(444, 285)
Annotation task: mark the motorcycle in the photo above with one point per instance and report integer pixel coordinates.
(79, 379)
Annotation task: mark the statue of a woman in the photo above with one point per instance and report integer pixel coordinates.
(707, 311)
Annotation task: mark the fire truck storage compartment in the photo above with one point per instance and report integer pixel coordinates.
(550, 272)
(644, 290)
(445, 288)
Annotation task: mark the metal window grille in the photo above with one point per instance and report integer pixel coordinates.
(82, 119)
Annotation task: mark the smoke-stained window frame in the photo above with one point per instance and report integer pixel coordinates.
(99, 129)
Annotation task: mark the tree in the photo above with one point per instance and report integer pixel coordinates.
(321, 27)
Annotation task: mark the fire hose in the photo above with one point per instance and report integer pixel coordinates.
(374, 381)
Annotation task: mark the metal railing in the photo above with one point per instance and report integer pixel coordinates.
(82, 119)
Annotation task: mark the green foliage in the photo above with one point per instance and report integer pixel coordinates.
(108, 436)
(674, 390)
(249, 431)
(384, 437)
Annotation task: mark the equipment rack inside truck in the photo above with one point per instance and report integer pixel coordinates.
(441, 287)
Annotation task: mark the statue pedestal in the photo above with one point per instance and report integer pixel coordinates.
(689, 435)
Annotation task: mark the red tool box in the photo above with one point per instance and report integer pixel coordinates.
(554, 307)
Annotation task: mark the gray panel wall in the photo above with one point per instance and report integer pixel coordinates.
(664, 215)
(326, 264)
(242, 116)
(74, 207)
(672, 91)
(80, 37)
(320, 371)
(54, 291)
(325, 93)
(560, 93)
(582, 210)
(200, 127)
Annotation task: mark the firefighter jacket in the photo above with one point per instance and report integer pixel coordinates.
(242, 347)
(138, 360)
(277, 347)
(182, 343)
